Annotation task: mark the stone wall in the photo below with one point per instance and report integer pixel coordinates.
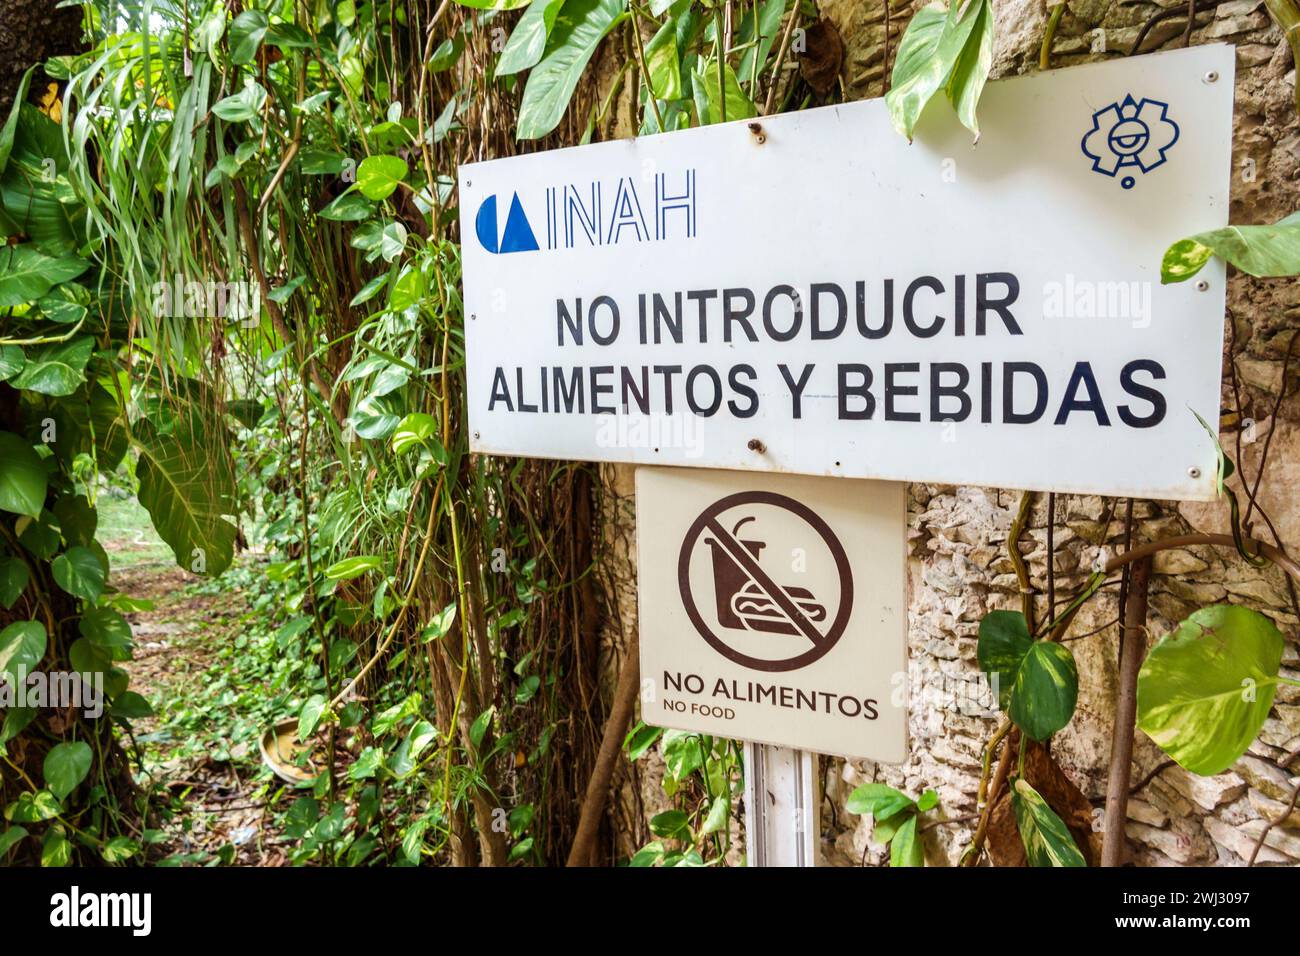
(959, 568)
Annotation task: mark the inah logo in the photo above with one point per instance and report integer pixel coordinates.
(1130, 133)
(601, 213)
(518, 235)
(75, 909)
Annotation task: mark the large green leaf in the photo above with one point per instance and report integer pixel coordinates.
(26, 273)
(1257, 250)
(108, 631)
(578, 30)
(1046, 838)
(12, 361)
(242, 106)
(379, 176)
(350, 207)
(709, 98)
(1205, 690)
(1004, 640)
(79, 572)
(1045, 691)
(9, 838)
(23, 476)
(13, 579)
(187, 486)
(353, 567)
(527, 41)
(89, 420)
(309, 716)
(932, 44)
(663, 61)
(33, 807)
(22, 645)
(246, 35)
(56, 369)
(1036, 681)
(971, 69)
(878, 799)
(66, 765)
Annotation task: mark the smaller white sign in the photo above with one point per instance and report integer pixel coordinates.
(772, 609)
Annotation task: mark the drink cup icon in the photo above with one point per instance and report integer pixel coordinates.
(741, 603)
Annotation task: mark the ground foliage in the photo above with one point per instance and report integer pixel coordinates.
(424, 621)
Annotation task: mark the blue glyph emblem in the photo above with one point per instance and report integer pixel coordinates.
(1132, 133)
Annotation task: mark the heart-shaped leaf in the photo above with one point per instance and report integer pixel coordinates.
(56, 369)
(66, 765)
(1205, 690)
(22, 477)
(79, 572)
(1045, 691)
(1036, 681)
(879, 800)
(378, 176)
(246, 35)
(22, 645)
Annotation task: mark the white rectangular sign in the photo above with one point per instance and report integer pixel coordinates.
(772, 609)
(809, 293)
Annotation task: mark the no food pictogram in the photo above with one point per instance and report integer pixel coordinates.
(765, 581)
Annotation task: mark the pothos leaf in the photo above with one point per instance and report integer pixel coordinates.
(527, 41)
(1271, 250)
(1046, 838)
(1045, 691)
(1205, 690)
(23, 478)
(578, 30)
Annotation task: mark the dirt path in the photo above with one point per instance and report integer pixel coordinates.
(200, 754)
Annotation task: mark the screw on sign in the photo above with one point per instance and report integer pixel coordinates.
(742, 601)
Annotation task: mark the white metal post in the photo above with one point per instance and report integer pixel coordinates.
(782, 806)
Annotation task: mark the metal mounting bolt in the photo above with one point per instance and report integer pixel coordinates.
(757, 130)
(468, 183)
(755, 445)
(1211, 77)
(476, 435)
(1202, 286)
(1193, 472)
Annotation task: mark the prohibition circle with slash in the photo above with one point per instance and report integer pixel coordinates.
(747, 600)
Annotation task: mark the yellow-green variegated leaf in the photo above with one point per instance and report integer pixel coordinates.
(1046, 838)
(1270, 251)
(1205, 690)
(527, 41)
(578, 30)
(933, 43)
(971, 69)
